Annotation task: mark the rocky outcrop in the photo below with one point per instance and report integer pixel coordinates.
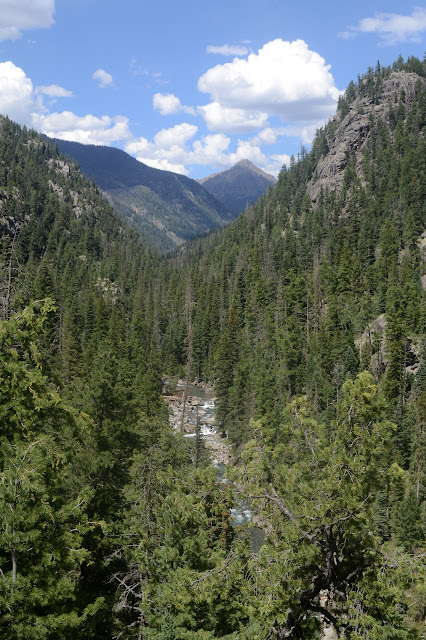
(374, 337)
(183, 414)
(353, 131)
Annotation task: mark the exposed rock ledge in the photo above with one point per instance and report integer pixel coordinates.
(353, 132)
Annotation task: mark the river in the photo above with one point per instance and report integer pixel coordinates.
(213, 441)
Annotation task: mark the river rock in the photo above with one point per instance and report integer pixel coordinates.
(187, 408)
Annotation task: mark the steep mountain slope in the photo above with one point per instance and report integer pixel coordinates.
(238, 186)
(72, 280)
(167, 208)
(348, 133)
(82, 418)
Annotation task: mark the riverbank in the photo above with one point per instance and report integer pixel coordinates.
(187, 401)
(190, 401)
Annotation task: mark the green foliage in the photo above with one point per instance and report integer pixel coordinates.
(313, 484)
(43, 504)
(177, 548)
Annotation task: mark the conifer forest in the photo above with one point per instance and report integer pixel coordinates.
(306, 316)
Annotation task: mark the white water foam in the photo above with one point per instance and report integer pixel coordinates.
(241, 515)
(207, 430)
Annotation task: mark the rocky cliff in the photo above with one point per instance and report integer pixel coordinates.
(350, 131)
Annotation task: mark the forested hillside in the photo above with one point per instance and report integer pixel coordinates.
(307, 313)
(166, 208)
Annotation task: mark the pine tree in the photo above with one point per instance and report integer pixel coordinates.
(43, 501)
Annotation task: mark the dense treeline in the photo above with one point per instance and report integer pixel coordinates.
(310, 320)
(92, 478)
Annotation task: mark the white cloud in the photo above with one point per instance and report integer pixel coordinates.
(210, 150)
(24, 104)
(139, 146)
(275, 163)
(227, 50)
(103, 78)
(16, 93)
(164, 164)
(20, 15)
(391, 27)
(232, 119)
(302, 130)
(88, 129)
(53, 91)
(283, 78)
(266, 136)
(177, 135)
(171, 149)
(167, 104)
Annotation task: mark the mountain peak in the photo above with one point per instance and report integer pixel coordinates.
(238, 186)
(244, 163)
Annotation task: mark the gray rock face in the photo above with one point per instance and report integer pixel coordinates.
(353, 132)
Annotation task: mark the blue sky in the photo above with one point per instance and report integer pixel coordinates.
(194, 86)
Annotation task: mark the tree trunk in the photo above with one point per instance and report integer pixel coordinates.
(14, 566)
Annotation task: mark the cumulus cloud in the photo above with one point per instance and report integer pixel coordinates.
(266, 136)
(391, 27)
(227, 50)
(16, 93)
(283, 78)
(164, 165)
(21, 15)
(175, 150)
(210, 150)
(24, 104)
(304, 131)
(170, 149)
(53, 91)
(177, 135)
(275, 163)
(88, 129)
(139, 146)
(232, 119)
(168, 103)
(103, 78)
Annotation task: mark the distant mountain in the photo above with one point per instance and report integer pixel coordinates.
(238, 186)
(166, 208)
